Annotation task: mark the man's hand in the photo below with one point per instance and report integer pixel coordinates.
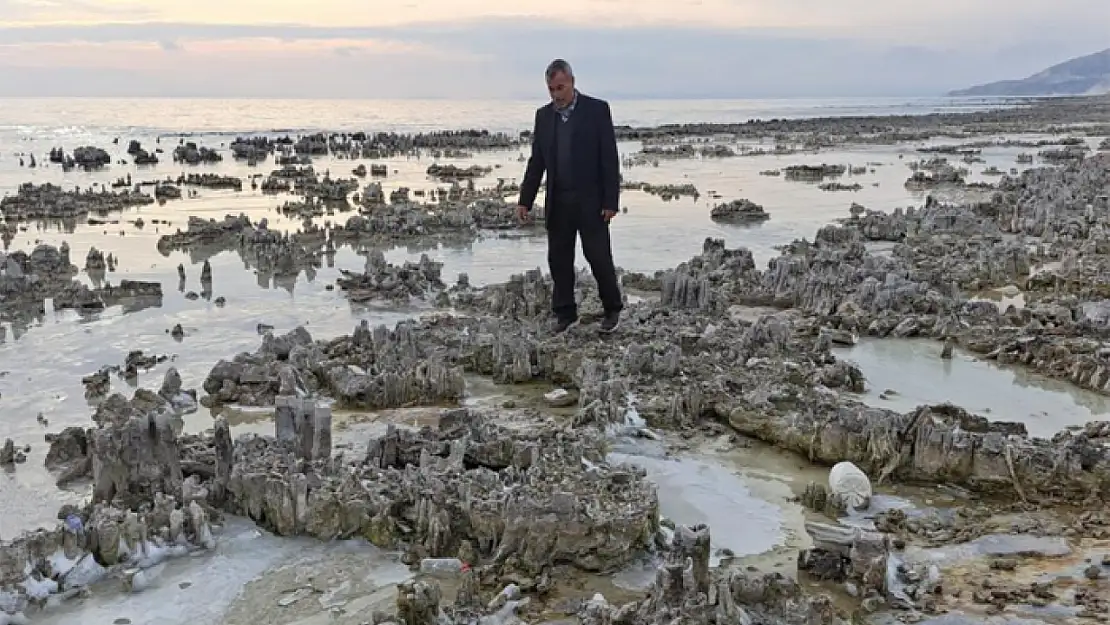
(522, 213)
(608, 215)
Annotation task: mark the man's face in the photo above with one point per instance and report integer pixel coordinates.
(561, 88)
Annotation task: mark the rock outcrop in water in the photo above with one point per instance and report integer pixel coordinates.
(379, 368)
(48, 201)
(685, 591)
(383, 281)
(739, 211)
(506, 502)
(467, 488)
(144, 509)
(525, 501)
(28, 280)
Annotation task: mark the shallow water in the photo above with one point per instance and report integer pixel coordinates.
(744, 501)
(69, 118)
(914, 370)
(206, 589)
(52, 354)
(746, 517)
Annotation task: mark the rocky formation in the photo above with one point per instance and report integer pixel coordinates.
(87, 157)
(739, 211)
(352, 145)
(1046, 117)
(139, 155)
(28, 280)
(286, 254)
(510, 503)
(813, 173)
(144, 509)
(455, 217)
(382, 280)
(47, 201)
(270, 252)
(453, 172)
(935, 444)
(192, 154)
(373, 369)
(72, 452)
(686, 590)
(467, 488)
(666, 192)
(1052, 202)
(92, 543)
(211, 181)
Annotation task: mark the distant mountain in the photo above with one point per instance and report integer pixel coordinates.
(1086, 75)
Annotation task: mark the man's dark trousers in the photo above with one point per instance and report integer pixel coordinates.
(566, 220)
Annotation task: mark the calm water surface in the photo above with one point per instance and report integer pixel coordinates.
(42, 364)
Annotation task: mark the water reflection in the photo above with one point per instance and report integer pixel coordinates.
(52, 350)
(917, 375)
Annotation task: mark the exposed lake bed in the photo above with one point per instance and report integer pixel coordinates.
(690, 438)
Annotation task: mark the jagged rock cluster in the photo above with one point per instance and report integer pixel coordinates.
(508, 503)
(381, 280)
(468, 488)
(192, 154)
(685, 591)
(1055, 202)
(140, 155)
(454, 172)
(48, 201)
(87, 157)
(739, 211)
(28, 280)
(379, 368)
(459, 216)
(270, 252)
(146, 505)
(286, 254)
(813, 173)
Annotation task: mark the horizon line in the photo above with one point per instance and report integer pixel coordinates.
(503, 99)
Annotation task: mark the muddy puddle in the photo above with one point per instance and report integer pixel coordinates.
(905, 373)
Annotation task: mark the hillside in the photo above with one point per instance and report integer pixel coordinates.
(1085, 75)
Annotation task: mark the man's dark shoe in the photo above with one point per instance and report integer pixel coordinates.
(561, 325)
(610, 321)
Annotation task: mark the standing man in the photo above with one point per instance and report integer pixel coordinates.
(574, 142)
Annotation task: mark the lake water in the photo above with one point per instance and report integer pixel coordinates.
(41, 364)
(70, 118)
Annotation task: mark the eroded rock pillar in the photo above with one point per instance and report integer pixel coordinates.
(322, 418)
(285, 429)
(224, 455)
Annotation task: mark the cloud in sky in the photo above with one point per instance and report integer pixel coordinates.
(496, 48)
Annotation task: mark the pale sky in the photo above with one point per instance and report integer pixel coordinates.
(498, 48)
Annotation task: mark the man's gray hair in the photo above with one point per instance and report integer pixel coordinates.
(556, 66)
